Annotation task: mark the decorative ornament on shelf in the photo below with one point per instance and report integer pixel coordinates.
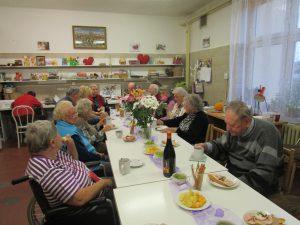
(88, 61)
(144, 59)
(122, 61)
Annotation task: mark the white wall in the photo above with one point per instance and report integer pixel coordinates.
(21, 28)
(218, 28)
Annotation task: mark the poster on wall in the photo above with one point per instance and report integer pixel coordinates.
(204, 71)
(206, 42)
(110, 90)
(43, 45)
(134, 47)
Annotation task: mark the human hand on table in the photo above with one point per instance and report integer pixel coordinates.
(201, 146)
(106, 128)
(159, 122)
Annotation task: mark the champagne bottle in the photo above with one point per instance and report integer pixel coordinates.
(169, 160)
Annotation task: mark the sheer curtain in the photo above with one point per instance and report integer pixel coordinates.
(265, 51)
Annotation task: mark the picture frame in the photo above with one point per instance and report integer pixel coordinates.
(40, 60)
(89, 37)
(43, 45)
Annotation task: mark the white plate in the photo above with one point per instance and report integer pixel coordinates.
(206, 205)
(253, 212)
(160, 127)
(134, 163)
(229, 176)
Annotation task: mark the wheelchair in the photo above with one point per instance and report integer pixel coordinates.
(98, 211)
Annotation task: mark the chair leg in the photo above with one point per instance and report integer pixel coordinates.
(18, 139)
(291, 181)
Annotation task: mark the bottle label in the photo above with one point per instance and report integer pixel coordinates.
(166, 168)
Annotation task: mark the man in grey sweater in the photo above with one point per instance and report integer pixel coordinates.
(251, 147)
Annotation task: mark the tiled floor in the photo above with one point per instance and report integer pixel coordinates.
(14, 199)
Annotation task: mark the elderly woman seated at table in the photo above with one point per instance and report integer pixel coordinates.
(95, 137)
(192, 125)
(66, 117)
(178, 109)
(63, 178)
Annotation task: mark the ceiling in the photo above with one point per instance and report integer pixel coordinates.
(147, 7)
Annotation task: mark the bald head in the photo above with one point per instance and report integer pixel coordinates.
(131, 86)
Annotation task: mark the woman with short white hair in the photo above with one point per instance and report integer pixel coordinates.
(178, 109)
(192, 125)
(96, 138)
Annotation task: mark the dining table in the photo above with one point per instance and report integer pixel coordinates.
(150, 171)
(144, 196)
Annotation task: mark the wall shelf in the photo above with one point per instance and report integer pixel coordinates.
(86, 66)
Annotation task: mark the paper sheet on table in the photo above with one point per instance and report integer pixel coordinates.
(204, 74)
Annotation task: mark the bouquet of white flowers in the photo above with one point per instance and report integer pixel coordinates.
(144, 110)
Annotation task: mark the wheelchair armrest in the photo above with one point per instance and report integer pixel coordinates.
(65, 210)
(92, 163)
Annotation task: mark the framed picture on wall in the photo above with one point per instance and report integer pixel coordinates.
(40, 61)
(86, 37)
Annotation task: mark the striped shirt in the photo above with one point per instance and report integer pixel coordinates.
(61, 178)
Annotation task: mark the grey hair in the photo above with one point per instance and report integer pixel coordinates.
(39, 134)
(72, 91)
(194, 101)
(60, 110)
(155, 88)
(84, 107)
(240, 109)
(180, 91)
(93, 85)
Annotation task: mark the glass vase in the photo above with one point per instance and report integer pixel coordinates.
(147, 132)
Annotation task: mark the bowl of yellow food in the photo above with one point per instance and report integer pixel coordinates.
(192, 200)
(151, 149)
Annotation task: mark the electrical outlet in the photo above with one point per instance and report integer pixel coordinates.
(226, 77)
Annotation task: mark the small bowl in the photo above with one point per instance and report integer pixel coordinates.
(179, 178)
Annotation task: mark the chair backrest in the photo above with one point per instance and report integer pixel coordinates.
(289, 163)
(39, 196)
(22, 115)
(291, 133)
(215, 132)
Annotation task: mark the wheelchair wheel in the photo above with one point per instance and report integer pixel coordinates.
(35, 215)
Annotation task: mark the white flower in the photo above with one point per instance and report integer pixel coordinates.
(149, 102)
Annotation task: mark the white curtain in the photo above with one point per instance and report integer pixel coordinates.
(265, 51)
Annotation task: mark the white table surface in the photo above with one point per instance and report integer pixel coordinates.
(153, 203)
(149, 172)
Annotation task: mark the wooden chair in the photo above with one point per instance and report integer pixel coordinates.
(216, 132)
(289, 169)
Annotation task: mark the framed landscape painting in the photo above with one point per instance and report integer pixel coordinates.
(86, 37)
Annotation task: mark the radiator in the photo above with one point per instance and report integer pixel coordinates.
(291, 134)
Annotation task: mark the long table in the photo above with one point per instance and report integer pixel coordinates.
(154, 203)
(148, 173)
(144, 197)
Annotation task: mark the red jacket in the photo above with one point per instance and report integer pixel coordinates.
(26, 99)
(97, 103)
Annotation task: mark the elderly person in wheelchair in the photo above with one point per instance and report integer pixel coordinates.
(64, 180)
